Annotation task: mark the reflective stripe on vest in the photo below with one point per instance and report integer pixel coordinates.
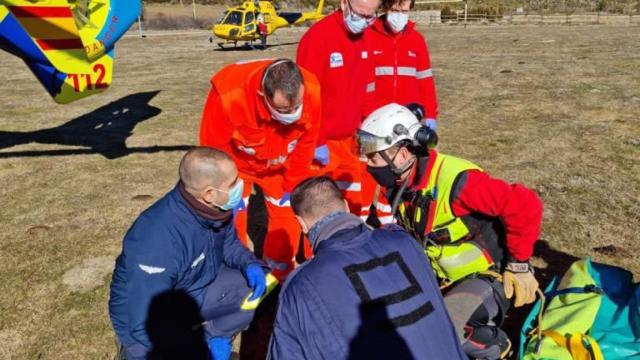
(454, 260)
(458, 260)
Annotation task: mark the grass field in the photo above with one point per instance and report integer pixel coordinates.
(557, 108)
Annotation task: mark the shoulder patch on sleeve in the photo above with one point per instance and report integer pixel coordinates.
(198, 260)
(151, 269)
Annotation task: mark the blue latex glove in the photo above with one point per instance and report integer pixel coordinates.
(285, 198)
(321, 155)
(256, 280)
(431, 124)
(220, 348)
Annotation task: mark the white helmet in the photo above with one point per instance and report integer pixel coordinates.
(386, 127)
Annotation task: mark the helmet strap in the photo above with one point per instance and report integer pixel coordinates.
(397, 171)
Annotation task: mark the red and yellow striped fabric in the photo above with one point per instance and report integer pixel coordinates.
(52, 27)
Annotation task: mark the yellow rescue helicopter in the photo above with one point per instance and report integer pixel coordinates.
(241, 23)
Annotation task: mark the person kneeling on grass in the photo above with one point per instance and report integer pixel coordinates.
(182, 276)
(478, 231)
(367, 294)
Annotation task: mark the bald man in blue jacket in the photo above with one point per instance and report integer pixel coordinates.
(184, 251)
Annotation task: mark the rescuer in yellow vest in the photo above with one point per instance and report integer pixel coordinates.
(472, 226)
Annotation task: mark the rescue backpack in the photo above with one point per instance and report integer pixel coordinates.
(591, 313)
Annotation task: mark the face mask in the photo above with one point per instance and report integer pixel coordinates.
(387, 175)
(397, 21)
(355, 23)
(285, 119)
(235, 196)
(383, 175)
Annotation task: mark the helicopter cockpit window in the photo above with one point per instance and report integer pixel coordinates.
(224, 15)
(234, 18)
(249, 18)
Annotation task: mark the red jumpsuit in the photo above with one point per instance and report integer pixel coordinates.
(402, 75)
(274, 156)
(341, 62)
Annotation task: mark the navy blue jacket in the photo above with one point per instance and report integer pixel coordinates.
(168, 247)
(365, 295)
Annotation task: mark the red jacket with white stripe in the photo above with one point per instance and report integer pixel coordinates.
(341, 62)
(402, 67)
(518, 207)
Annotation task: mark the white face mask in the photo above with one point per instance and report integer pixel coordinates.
(355, 23)
(285, 119)
(397, 21)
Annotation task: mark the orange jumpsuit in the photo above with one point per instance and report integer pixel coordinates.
(274, 156)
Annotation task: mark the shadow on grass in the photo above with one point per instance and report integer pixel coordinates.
(247, 47)
(103, 131)
(558, 263)
(172, 325)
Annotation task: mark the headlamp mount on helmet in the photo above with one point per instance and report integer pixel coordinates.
(425, 139)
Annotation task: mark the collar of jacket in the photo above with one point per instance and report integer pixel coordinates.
(207, 217)
(331, 224)
(381, 27)
(420, 175)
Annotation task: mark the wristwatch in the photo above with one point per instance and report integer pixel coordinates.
(518, 266)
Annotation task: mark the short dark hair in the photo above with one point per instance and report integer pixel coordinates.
(283, 75)
(388, 4)
(316, 197)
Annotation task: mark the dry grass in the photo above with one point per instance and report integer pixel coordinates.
(171, 17)
(211, 12)
(557, 108)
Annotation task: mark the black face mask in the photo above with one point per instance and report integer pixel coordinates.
(384, 175)
(388, 175)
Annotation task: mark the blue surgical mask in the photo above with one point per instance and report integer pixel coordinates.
(397, 20)
(235, 196)
(355, 23)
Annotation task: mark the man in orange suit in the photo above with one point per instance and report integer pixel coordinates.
(266, 115)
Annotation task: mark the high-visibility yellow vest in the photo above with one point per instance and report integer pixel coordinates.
(453, 259)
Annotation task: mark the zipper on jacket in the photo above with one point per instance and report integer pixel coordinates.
(395, 69)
